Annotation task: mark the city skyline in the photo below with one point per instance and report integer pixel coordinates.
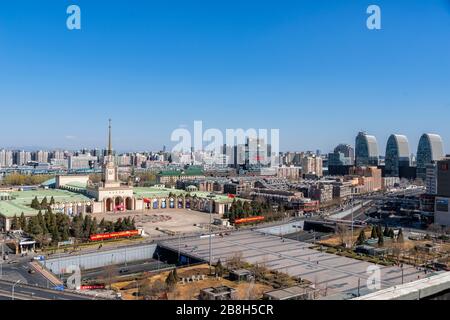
(307, 68)
(381, 147)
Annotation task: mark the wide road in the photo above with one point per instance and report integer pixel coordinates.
(123, 270)
(20, 271)
(28, 292)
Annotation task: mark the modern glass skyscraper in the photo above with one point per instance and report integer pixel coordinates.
(430, 149)
(347, 151)
(397, 155)
(366, 150)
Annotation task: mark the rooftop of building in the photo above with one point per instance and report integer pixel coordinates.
(76, 185)
(287, 293)
(186, 172)
(164, 192)
(21, 200)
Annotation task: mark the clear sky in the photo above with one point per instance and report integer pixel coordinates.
(310, 68)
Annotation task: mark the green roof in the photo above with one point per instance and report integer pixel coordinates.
(187, 172)
(76, 184)
(164, 192)
(22, 200)
(49, 182)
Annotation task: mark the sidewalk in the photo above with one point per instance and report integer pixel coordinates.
(46, 274)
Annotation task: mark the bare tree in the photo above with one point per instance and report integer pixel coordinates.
(341, 232)
(396, 251)
(235, 262)
(152, 290)
(191, 292)
(111, 273)
(434, 227)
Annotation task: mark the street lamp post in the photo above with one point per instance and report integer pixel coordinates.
(137, 289)
(125, 256)
(12, 290)
(351, 208)
(158, 260)
(210, 196)
(1, 262)
(402, 274)
(179, 244)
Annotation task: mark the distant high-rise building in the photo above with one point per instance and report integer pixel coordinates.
(21, 157)
(41, 156)
(429, 150)
(343, 155)
(337, 159)
(83, 161)
(431, 178)
(57, 154)
(312, 165)
(366, 150)
(6, 158)
(397, 155)
(443, 177)
(442, 208)
(257, 153)
(347, 150)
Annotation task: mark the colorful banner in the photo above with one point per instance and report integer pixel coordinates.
(93, 287)
(112, 235)
(249, 220)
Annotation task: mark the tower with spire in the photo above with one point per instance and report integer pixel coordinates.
(110, 176)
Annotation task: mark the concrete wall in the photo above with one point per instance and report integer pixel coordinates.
(101, 259)
(63, 180)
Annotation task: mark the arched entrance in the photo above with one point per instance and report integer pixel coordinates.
(129, 203)
(118, 204)
(155, 204)
(109, 204)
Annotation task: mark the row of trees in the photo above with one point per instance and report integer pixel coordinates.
(244, 209)
(377, 232)
(16, 179)
(50, 228)
(44, 228)
(158, 289)
(43, 205)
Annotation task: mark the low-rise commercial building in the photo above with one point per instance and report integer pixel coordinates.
(172, 176)
(323, 192)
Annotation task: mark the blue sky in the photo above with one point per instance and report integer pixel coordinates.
(310, 68)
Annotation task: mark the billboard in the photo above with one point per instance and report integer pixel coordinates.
(112, 235)
(442, 205)
(93, 287)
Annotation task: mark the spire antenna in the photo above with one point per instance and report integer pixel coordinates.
(109, 140)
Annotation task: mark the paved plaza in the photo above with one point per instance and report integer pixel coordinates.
(335, 273)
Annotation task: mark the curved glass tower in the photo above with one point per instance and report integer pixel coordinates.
(430, 149)
(347, 150)
(397, 155)
(366, 150)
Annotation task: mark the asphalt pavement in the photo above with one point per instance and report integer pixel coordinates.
(28, 292)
